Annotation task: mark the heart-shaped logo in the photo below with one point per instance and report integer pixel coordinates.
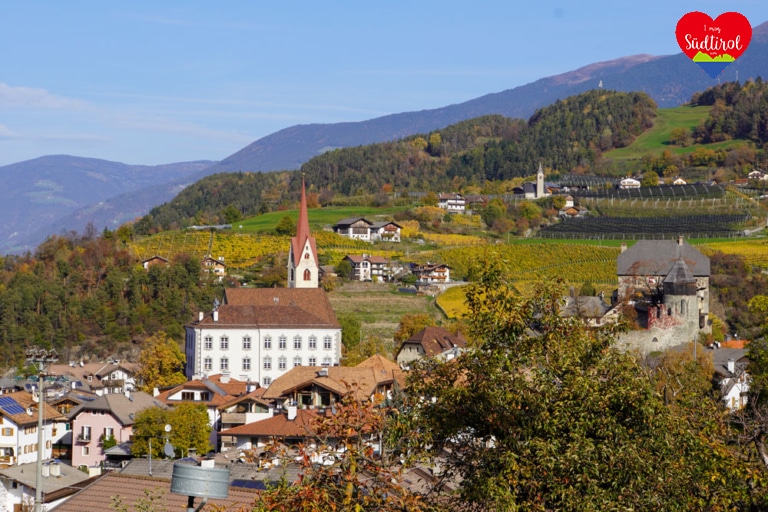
(713, 44)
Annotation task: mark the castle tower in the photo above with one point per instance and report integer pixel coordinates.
(540, 182)
(303, 267)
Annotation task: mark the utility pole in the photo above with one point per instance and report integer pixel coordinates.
(40, 358)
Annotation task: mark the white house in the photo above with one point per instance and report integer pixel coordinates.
(385, 231)
(454, 203)
(356, 228)
(18, 428)
(628, 183)
(731, 376)
(432, 273)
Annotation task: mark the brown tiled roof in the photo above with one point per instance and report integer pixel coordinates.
(129, 489)
(339, 379)
(221, 393)
(436, 340)
(255, 395)
(267, 307)
(277, 426)
(24, 399)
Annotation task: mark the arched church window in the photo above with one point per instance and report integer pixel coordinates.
(307, 275)
(306, 255)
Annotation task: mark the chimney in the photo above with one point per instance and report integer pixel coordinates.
(155, 392)
(292, 411)
(215, 315)
(127, 393)
(46, 470)
(224, 379)
(200, 316)
(250, 387)
(623, 246)
(680, 240)
(731, 366)
(55, 468)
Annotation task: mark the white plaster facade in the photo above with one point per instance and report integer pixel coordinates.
(254, 354)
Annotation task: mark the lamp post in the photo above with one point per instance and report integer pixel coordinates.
(40, 358)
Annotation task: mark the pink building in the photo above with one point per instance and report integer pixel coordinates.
(110, 415)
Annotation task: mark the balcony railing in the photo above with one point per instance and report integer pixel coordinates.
(233, 418)
(83, 438)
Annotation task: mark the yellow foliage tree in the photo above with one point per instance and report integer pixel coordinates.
(162, 363)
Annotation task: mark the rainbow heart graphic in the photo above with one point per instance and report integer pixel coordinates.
(713, 44)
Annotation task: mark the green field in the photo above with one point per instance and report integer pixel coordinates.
(319, 218)
(656, 140)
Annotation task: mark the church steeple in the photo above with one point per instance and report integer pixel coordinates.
(302, 256)
(540, 182)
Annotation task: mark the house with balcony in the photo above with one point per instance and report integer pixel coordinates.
(731, 376)
(18, 428)
(368, 268)
(356, 228)
(213, 391)
(432, 273)
(315, 387)
(107, 416)
(215, 266)
(453, 203)
(385, 231)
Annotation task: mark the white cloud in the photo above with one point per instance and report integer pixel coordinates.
(29, 97)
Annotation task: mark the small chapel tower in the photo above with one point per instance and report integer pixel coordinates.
(303, 267)
(540, 182)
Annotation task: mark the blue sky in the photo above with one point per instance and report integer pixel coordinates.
(157, 82)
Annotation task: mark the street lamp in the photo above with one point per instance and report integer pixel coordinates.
(40, 358)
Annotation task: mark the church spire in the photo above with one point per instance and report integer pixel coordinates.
(303, 265)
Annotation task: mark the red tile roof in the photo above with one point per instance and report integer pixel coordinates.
(221, 393)
(276, 426)
(436, 340)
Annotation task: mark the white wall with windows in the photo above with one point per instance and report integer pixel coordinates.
(262, 355)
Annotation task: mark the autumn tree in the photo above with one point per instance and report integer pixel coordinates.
(354, 476)
(410, 324)
(544, 414)
(190, 430)
(162, 363)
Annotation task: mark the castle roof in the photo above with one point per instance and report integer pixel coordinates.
(658, 257)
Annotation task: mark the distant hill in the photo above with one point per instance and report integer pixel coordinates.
(669, 80)
(53, 193)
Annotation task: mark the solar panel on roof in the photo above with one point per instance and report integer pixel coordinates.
(249, 484)
(10, 405)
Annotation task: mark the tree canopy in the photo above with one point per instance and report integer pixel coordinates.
(162, 363)
(545, 415)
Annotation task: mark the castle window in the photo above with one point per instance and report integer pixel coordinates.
(267, 363)
(246, 342)
(281, 363)
(282, 342)
(296, 361)
(225, 343)
(224, 364)
(312, 342)
(246, 364)
(327, 343)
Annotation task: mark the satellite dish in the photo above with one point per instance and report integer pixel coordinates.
(168, 450)
(167, 427)
(36, 396)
